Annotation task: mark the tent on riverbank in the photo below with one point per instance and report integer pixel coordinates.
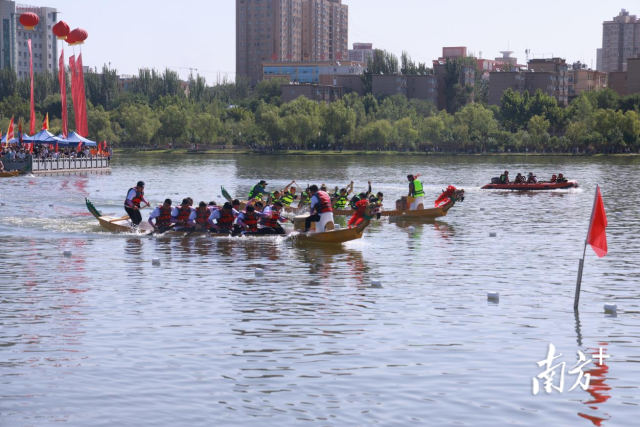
(74, 138)
(44, 137)
(13, 140)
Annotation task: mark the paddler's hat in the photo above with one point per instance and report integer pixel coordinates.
(140, 184)
(263, 182)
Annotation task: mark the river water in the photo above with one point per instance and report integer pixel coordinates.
(104, 338)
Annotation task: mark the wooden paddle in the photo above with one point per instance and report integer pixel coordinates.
(126, 216)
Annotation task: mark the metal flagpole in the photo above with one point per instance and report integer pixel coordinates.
(576, 299)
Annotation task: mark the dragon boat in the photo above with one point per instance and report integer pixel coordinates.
(443, 204)
(9, 174)
(331, 235)
(539, 186)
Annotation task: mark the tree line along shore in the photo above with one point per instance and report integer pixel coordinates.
(233, 116)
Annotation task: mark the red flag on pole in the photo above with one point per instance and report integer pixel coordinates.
(45, 123)
(10, 131)
(20, 131)
(32, 124)
(79, 146)
(82, 98)
(74, 91)
(597, 236)
(62, 78)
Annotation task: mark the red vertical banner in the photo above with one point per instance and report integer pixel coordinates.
(32, 124)
(84, 129)
(62, 78)
(74, 91)
(597, 235)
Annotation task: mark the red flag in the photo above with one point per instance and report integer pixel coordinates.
(74, 91)
(597, 236)
(82, 98)
(56, 146)
(45, 123)
(62, 78)
(20, 131)
(31, 148)
(79, 145)
(32, 124)
(10, 131)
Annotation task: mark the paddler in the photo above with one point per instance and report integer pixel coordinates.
(162, 215)
(135, 196)
(341, 198)
(416, 191)
(223, 218)
(248, 221)
(320, 211)
(181, 216)
(504, 178)
(200, 216)
(270, 216)
(289, 194)
(258, 190)
(362, 196)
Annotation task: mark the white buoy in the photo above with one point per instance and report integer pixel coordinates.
(67, 252)
(336, 227)
(259, 272)
(610, 308)
(493, 296)
(492, 234)
(411, 229)
(155, 261)
(376, 284)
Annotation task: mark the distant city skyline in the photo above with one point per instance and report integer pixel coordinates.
(201, 34)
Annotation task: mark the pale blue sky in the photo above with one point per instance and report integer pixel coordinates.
(201, 33)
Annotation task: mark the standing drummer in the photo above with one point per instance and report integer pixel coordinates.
(135, 196)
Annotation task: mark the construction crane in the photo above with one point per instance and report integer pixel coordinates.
(184, 68)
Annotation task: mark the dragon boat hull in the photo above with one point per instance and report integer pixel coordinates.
(9, 174)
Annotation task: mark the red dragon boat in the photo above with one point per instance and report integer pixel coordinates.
(540, 185)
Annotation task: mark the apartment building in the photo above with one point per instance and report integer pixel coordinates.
(499, 82)
(361, 52)
(467, 78)
(423, 87)
(288, 31)
(620, 40)
(633, 75)
(558, 69)
(13, 39)
(583, 79)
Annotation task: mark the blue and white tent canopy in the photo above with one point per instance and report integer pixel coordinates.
(13, 140)
(44, 137)
(74, 138)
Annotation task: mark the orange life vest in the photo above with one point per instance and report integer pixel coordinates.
(226, 220)
(202, 217)
(324, 204)
(251, 221)
(164, 220)
(137, 198)
(183, 214)
(272, 221)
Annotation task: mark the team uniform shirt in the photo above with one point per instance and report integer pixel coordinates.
(216, 214)
(325, 217)
(194, 213)
(267, 213)
(175, 212)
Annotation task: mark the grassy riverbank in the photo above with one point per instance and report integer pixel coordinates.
(184, 151)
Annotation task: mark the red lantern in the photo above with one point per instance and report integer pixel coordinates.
(79, 35)
(61, 30)
(29, 20)
(71, 39)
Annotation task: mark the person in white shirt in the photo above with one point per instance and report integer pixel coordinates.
(162, 217)
(181, 216)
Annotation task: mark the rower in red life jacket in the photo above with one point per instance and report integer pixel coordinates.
(248, 221)
(181, 216)
(321, 210)
(554, 178)
(162, 215)
(135, 196)
(270, 217)
(224, 219)
(531, 178)
(200, 216)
